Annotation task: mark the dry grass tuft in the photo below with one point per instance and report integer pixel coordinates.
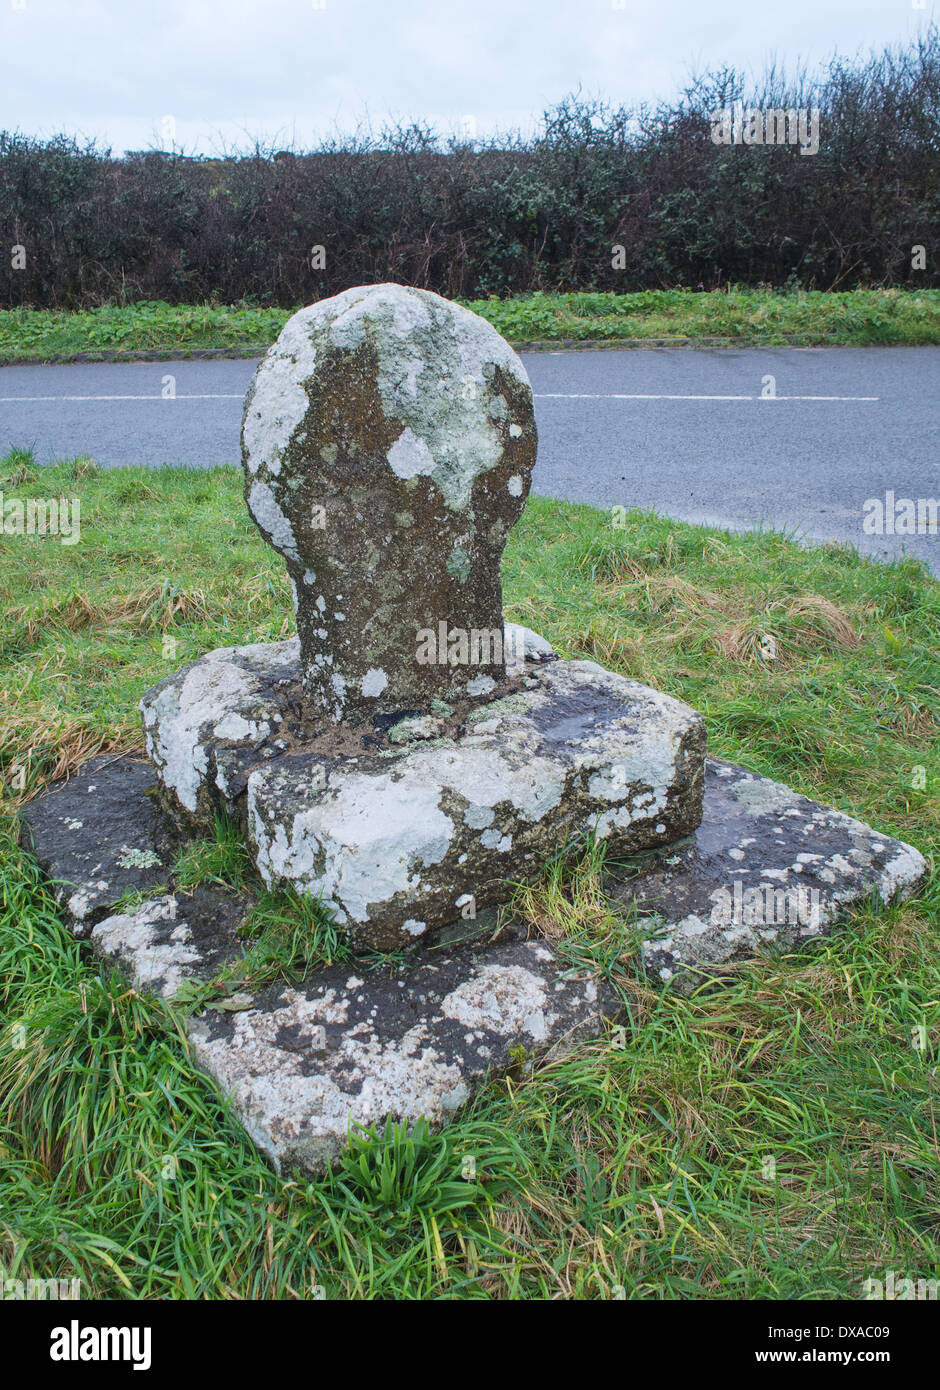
(34, 754)
(824, 619)
(672, 594)
(782, 632)
(746, 645)
(605, 640)
(159, 606)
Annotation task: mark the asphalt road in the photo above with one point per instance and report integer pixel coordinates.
(690, 433)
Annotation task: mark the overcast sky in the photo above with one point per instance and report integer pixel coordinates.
(295, 70)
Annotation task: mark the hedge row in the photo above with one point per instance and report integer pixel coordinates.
(504, 217)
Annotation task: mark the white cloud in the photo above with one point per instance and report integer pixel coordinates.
(237, 69)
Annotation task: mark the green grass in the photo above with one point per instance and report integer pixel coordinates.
(36, 335)
(741, 316)
(772, 1137)
(222, 860)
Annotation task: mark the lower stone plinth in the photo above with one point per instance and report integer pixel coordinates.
(168, 940)
(101, 836)
(353, 1046)
(767, 870)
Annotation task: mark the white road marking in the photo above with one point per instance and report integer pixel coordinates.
(623, 396)
(197, 396)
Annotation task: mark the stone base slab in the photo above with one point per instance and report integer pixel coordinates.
(767, 870)
(167, 940)
(100, 836)
(355, 1045)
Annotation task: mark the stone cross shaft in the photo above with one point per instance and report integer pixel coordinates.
(388, 442)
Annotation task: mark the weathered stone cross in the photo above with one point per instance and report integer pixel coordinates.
(388, 445)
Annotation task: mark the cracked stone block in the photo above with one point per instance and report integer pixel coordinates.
(208, 725)
(163, 942)
(399, 824)
(767, 869)
(394, 841)
(99, 836)
(397, 827)
(388, 441)
(302, 1064)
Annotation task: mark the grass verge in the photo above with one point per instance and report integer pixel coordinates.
(758, 317)
(774, 1137)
